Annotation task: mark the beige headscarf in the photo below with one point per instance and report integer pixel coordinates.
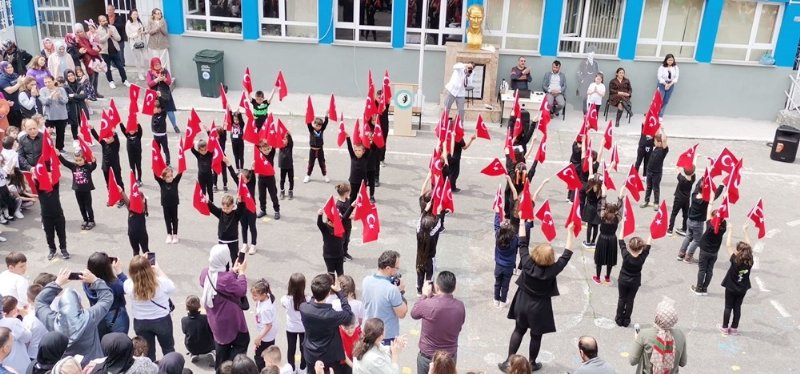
(663, 356)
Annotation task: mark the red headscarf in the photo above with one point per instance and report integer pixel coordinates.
(153, 62)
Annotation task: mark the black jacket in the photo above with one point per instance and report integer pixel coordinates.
(285, 159)
(332, 244)
(50, 202)
(134, 141)
(698, 208)
(684, 187)
(198, 337)
(110, 151)
(76, 103)
(316, 139)
(29, 150)
(358, 166)
(81, 174)
(322, 323)
(169, 191)
(228, 227)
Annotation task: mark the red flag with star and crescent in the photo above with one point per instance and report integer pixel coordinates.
(157, 161)
(526, 202)
(217, 153)
(608, 136)
(726, 161)
(575, 215)
(371, 225)
(436, 165)
(362, 203)
(686, 159)
(247, 81)
(607, 181)
(192, 129)
(133, 95)
(498, 203)
(113, 113)
(342, 136)
(733, 181)
(447, 202)
(517, 108)
(114, 196)
(106, 126)
(614, 157)
(149, 103)
(494, 169)
(757, 216)
(85, 134)
(250, 133)
(546, 217)
(332, 213)
(658, 228)
(629, 222)
(633, 183)
(86, 150)
(541, 153)
(181, 157)
(591, 117)
(49, 151)
(722, 213)
(378, 137)
(246, 196)
(42, 175)
(200, 201)
(570, 176)
(480, 129)
(261, 164)
(544, 119)
(387, 87)
(223, 97)
(707, 187)
(280, 84)
(135, 198)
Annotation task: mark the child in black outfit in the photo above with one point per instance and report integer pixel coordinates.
(53, 220)
(204, 173)
(82, 185)
(316, 151)
(454, 160)
(248, 219)
(110, 147)
(198, 337)
(634, 254)
(575, 159)
(237, 143)
(168, 183)
(332, 246)
(260, 107)
(137, 226)
(159, 128)
(646, 144)
(343, 204)
(383, 120)
(229, 215)
(134, 148)
(683, 191)
(590, 213)
(286, 163)
(373, 166)
(359, 164)
(655, 167)
(222, 135)
(268, 183)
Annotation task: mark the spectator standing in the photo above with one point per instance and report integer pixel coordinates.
(442, 318)
(150, 291)
(158, 42)
(520, 76)
(662, 348)
(111, 50)
(322, 341)
(137, 37)
(18, 58)
(60, 61)
(371, 357)
(119, 24)
(383, 295)
(11, 84)
(109, 270)
(89, 53)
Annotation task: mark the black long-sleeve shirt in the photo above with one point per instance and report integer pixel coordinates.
(631, 273)
(169, 191)
(285, 158)
(133, 141)
(684, 187)
(50, 202)
(322, 323)
(228, 226)
(81, 174)
(316, 138)
(332, 244)
(159, 123)
(203, 161)
(698, 208)
(110, 150)
(358, 166)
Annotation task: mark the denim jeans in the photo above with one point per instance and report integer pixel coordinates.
(694, 231)
(705, 269)
(502, 279)
(665, 95)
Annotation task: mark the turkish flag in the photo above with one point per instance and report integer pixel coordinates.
(377, 136)
(722, 213)
(658, 228)
(651, 124)
(114, 195)
(243, 101)
(133, 95)
(223, 97)
(447, 202)
(494, 169)
(607, 181)
(262, 166)
(509, 147)
(546, 217)
(387, 87)
(181, 157)
(656, 103)
(707, 187)
(498, 203)
(29, 179)
(517, 108)
(726, 161)
(42, 175)
(363, 205)
(332, 109)
(149, 104)
(733, 181)
(459, 129)
(480, 129)
(218, 154)
(437, 193)
(85, 134)
(570, 176)
(309, 111)
(250, 133)
(371, 225)
(362, 134)
(113, 113)
(157, 161)
(517, 127)
(544, 118)
(614, 158)
(757, 216)
(441, 127)
(370, 86)
(629, 226)
(247, 82)
(274, 133)
(436, 164)
(591, 117)
(541, 153)
(192, 129)
(369, 109)
(332, 213)
(526, 202)
(246, 196)
(280, 84)
(106, 126)
(575, 215)
(227, 121)
(587, 155)
(686, 159)
(200, 201)
(132, 125)
(342, 136)
(135, 198)
(608, 136)
(86, 150)
(50, 154)
(633, 183)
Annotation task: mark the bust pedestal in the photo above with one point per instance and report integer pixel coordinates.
(485, 104)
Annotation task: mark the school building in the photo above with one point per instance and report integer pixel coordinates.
(735, 56)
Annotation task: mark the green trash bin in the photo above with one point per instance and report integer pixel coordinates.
(210, 72)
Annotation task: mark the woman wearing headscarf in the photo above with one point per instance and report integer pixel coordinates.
(18, 58)
(159, 79)
(171, 363)
(222, 290)
(48, 48)
(660, 349)
(10, 84)
(76, 92)
(60, 61)
(71, 319)
(88, 53)
(67, 365)
(51, 348)
(150, 291)
(119, 359)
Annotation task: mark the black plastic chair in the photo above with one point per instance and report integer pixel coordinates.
(605, 113)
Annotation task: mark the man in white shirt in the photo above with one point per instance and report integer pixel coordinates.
(457, 87)
(13, 281)
(555, 84)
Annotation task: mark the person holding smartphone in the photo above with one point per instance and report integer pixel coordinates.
(442, 318)
(150, 290)
(109, 269)
(460, 79)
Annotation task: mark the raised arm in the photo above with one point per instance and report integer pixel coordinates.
(426, 184)
(469, 143)
(538, 190)
(511, 186)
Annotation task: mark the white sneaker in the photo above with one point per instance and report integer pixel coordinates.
(175, 239)
(496, 304)
(168, 240)
(126, 83)
(327, 180)
(2, 239)
(18, 215)
(252, 250)
(112, 85)
(306, 179)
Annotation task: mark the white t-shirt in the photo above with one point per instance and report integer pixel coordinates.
(13, 284)
(37, 330)
(287, 369)
(265, 314)
(147, 309)
(293, 321)
(555, 83)
(596, 97)
(356, 306)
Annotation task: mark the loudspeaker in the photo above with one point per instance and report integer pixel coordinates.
(784, 147)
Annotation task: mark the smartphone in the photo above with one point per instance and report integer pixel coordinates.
(240, 258)
(151, 256)
(75, 276)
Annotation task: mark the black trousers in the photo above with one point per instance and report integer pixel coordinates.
(152, 329)
(625, 304)
(139, 240)
(425, 274)
(502, 280)
(207, 184)
(117, 174)
(455, 170)
(233, 249)
(348, 227)
(226, 352)
(355, 185)
(268, 184)
(238, 153)
(55, 226)
(733, 302)
(84, 199)
(7, 201)
(313, 156)
(15, 118)
(290, 174)
(116, 60)
(222, 141)
(705, 269)
(74, 125)
(171, 219)
(248, 222)
(371, 177)
(135, 161)
(261, 348)
(642, 156)
(163, 142)
(679, 205)
(292, 339)
(334, 265)
(60, 126)
(654, 186)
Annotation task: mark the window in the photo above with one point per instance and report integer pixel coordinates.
(669, 26)
(513, 24)
(6, 16)
(747, 30)
(591, 25)
(214, 16)
(54, 18)
(292, 18)
(364, 20)
(440, 28)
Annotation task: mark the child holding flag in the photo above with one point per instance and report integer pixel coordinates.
(168, 184)
(316, 141)
(134, 149)
(82, 185)
(266, 181)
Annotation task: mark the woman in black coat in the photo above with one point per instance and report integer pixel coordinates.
(531, 307)
(77, 102)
